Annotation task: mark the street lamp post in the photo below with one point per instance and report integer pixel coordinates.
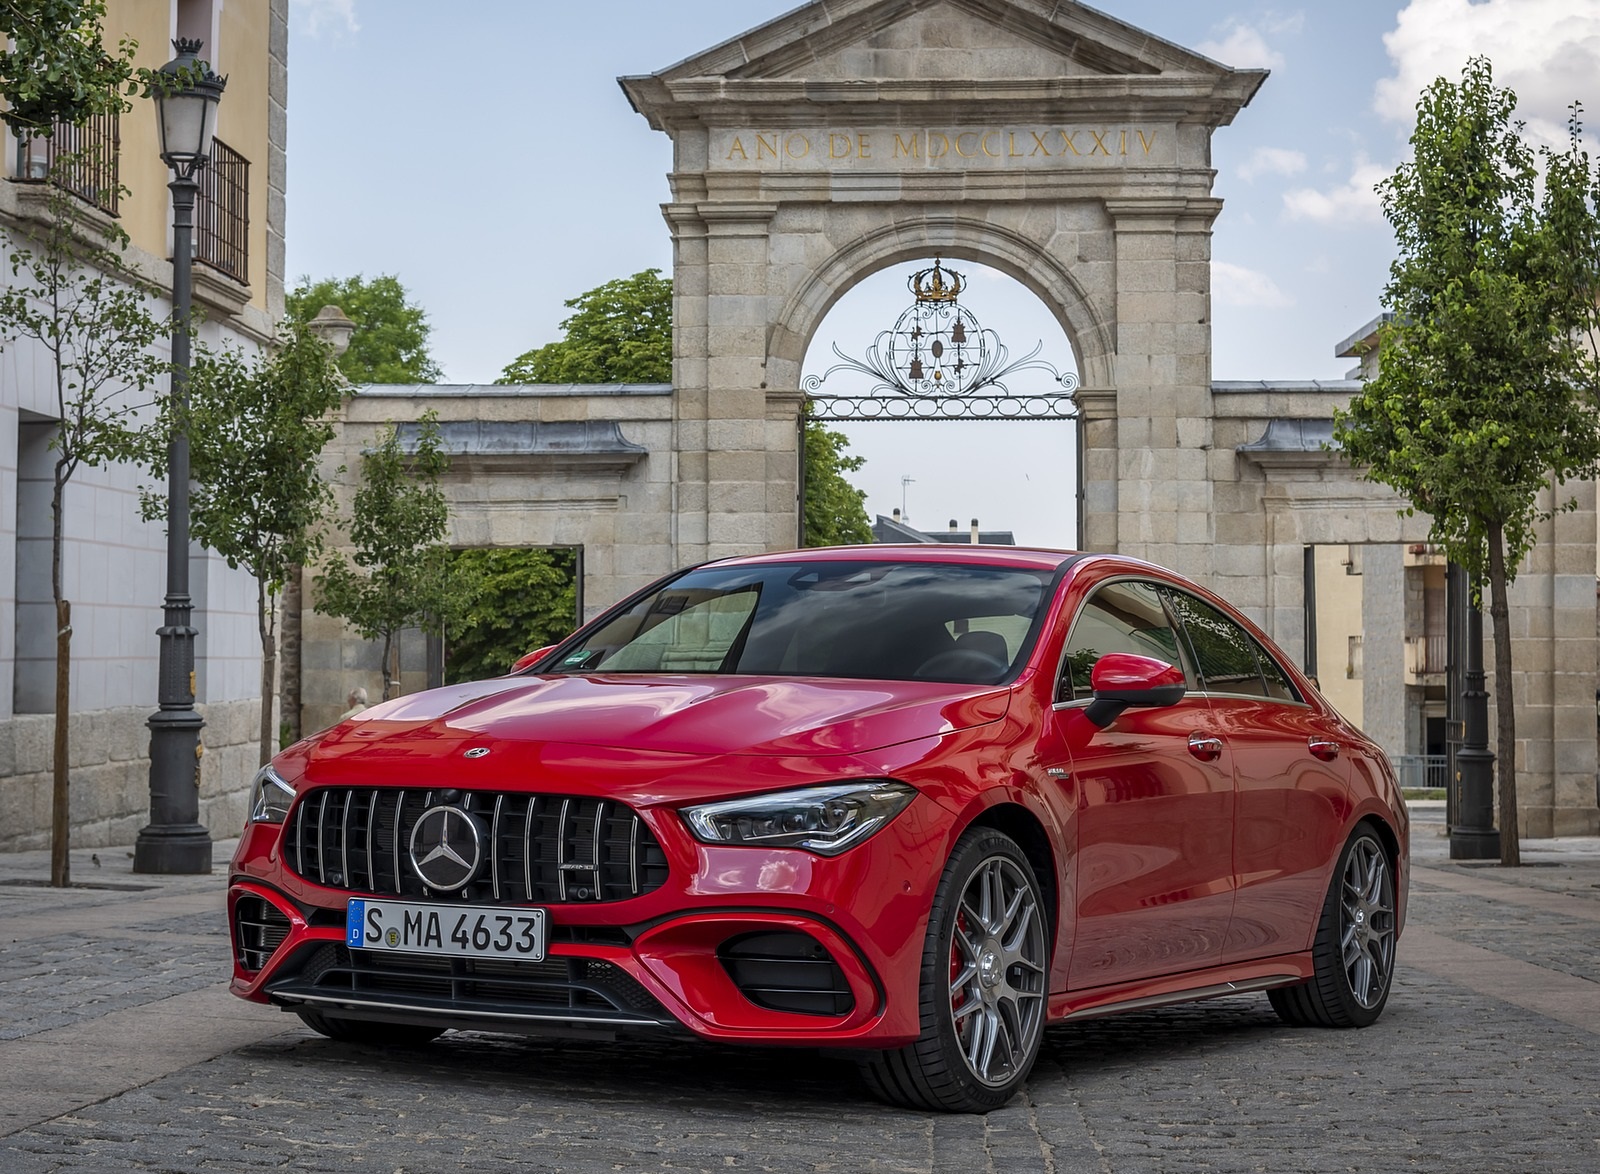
(175, 841)
(1472, 832)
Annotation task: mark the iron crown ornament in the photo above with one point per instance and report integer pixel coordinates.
(936, 359)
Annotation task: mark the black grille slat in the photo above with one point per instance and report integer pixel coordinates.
(591, 988)
(787, 971)
(543, 849)
(258, 929)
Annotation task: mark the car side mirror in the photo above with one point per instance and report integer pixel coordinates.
(528, 659)
(1121, 680)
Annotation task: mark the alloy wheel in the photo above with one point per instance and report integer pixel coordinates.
(1366, 923)
(997, 971)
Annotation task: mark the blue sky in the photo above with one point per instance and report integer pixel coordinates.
(484, 153)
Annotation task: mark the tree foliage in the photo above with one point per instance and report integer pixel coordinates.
(73, 298)
(390, 342)
(256, 430)
(1485, 392)
(620, 332)
(525, 599)
(835, 510)
(55, 66)
(399, 574)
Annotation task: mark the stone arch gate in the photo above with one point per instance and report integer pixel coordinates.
(1059, 145)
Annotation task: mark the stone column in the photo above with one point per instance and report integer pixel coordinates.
(736, 423)
(1164, 507)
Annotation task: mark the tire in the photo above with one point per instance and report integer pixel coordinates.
(367, 1031)
(983, 986)
(1353, 954)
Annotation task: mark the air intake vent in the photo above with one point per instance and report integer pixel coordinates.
(539, 849)
(258, 930)
(787, 971)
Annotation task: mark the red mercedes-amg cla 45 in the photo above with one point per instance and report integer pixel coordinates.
(916, 802)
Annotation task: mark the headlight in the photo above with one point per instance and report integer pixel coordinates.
(826, 820)
(270, 798)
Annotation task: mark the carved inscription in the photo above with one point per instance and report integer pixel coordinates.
(1029, 146)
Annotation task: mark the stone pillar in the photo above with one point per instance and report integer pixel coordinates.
(689, 366)
(1164, 507)
(1097, 408)
(736, 397)
(1383, 649)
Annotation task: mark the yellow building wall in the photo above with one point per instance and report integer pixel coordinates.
(241, 55)
(1338, 619)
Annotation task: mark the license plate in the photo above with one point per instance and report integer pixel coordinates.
(456, 931)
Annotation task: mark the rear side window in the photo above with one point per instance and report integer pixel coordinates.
(1228, 659)
(1119, 617)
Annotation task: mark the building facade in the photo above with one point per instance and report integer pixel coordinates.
(114, 563)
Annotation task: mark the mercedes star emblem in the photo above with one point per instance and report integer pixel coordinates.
(446, 848)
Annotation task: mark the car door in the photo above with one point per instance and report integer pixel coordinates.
(1290, 779)
(1154, 795)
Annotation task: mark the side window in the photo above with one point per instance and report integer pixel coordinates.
(1278, 685)
(1228, 658)
(1119, 617)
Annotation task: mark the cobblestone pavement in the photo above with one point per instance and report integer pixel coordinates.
(119, 1052)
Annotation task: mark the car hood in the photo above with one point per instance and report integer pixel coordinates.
(702, 716)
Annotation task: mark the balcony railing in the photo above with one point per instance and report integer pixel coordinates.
(78, 159)
(222, 213)
(1421, 771)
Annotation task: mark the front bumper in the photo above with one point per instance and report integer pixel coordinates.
(761, 946)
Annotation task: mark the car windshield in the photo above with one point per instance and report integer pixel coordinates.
(880, 620)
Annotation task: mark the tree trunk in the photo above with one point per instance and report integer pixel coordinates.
(60, 793)
(60, 800)
(1504, 699)
(269, 668)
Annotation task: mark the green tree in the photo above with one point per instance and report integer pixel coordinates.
(835, 510)
(258, 497)
(55, 66)
(1485, 394)
(525, 600)
(390, 342)
(622, 333)
(400, 572)
(73, 297)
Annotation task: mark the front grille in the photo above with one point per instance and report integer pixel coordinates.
(542, 849)
(258, 929)
(588, 989)
(787, 971)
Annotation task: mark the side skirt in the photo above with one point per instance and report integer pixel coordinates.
(1070, 1006)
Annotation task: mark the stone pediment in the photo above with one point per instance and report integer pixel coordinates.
(919, 39)
(858, 52)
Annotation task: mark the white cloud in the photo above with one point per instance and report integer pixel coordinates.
(1547, 51)
(1244, 47)
(312, 15)
(1353, 202)
(1234, 285)
(1272, 161)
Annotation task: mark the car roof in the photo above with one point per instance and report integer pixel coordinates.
(1019, 557)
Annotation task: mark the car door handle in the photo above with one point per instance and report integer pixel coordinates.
(1323, 748)
(1205, 748)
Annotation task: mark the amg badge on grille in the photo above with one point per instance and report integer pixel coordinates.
(446, 848)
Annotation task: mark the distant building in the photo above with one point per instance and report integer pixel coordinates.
(895, 529)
